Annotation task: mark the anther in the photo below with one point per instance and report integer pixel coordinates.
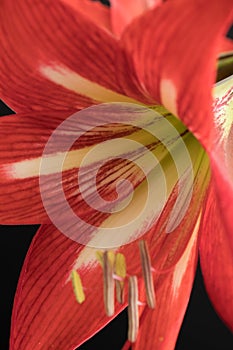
(77, 287)
(99, 256)
(120, 271)
(108, 284)
(147, 274)
(133, 317)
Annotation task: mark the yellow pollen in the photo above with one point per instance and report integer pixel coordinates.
(120, 265)
(133, 316)
(99, 257)
(147, 274)
(77, 287)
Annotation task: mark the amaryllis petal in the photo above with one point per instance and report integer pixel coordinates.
(101, 180)
(224, 193)
(168, 237)
(95, 11)
(45, 296)
(171, 66)
(159, 328)
(226, 46)
(56, 66)
(216, 259)
(20, 165)
(45, 282)
(123, 12)
(168, 247)
(221, 152)
(25, 173)
(23, 138)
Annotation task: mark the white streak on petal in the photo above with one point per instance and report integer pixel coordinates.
(87, 258)
(169, 95)
(31, 167)
(182, 265)
(72, 81)
(51, 163)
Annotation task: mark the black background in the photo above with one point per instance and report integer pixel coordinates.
(202, 329)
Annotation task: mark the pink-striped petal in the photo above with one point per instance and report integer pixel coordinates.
(216, 259)
(221, 152)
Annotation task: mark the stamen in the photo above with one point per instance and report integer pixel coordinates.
(108, 284)
(120, 270)
(133, 316)
(120, 292)
(77, 287)
(147, 274)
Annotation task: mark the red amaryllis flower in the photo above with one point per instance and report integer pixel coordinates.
(63, 56)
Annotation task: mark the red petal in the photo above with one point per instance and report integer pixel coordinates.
(58, 58)
(224, 194)
(174, 57)
(221, 153)
(160, 327)
(22, 142)
(123, 12)
(23, 137)
(46, 314)
(217, 260)
(174, 259)
(166, 248)
(226, 46)
(44, 299)
(24, 179)
(50, 260)
(94, 11)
